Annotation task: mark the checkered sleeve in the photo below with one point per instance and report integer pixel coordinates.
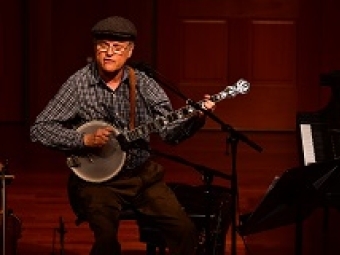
(49, 127)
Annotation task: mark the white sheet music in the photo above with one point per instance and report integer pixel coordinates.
(307, 144)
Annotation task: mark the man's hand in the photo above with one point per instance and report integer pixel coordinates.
(99, 138)
(208, 105)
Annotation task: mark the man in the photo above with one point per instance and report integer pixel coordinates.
(101, 91)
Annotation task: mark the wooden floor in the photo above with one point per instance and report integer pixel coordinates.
(38, 195)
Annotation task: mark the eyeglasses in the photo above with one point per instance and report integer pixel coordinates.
(119, 49)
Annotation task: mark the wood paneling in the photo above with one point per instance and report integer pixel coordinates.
(330, 40)
(273, 49)
(308, 55)
(244, 8)
(205, 41)
(40, 56)
(2, 46)
(223, 44)
(273, 67)
(11, 67)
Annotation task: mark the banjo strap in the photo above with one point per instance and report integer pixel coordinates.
(132, 84)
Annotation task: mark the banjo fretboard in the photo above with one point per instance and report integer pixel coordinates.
(158, 123)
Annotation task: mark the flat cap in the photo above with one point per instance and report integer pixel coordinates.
(115, 28)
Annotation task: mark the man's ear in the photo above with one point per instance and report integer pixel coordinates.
(131, 49)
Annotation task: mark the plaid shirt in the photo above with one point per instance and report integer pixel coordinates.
(85, 97)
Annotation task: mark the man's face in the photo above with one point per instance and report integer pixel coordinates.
(112, 55)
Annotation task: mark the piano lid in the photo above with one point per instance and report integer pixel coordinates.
(330, 79)
(332, 111)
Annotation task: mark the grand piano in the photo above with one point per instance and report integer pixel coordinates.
(319, 132)
(314, 183)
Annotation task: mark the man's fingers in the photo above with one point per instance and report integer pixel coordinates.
(99, 138)
(104, 132)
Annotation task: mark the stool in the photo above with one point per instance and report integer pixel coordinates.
(153, 239)
(147, 234)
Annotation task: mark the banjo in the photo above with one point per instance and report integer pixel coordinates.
(101, 164)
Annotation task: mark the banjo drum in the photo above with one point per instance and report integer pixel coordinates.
(99, 164)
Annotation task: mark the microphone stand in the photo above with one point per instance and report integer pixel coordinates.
(204, 170)
(3, 195)
(62, 233)
(232, 140)
(5, 179)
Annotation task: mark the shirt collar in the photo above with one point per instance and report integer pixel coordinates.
(95, 77)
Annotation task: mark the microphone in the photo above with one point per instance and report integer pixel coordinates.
(141, 66)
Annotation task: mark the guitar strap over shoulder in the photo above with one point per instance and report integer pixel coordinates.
(132, 84)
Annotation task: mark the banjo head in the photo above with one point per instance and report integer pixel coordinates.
(99, 164)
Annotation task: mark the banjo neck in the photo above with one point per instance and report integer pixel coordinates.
(142, 131)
